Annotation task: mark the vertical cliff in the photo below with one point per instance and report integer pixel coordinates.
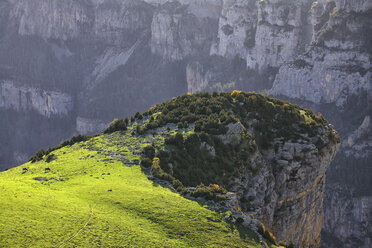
(334, 76)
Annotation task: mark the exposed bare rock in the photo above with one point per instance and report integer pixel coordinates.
(336, 67)
(197, 78)
(234, 133)
(50, 18)
(177, 32)
(288, 190)
(361, 132)
(282, 31)
(22, 98)
(121, 22)
(237, 29)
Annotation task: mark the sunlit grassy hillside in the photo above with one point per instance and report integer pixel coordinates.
(91, 184)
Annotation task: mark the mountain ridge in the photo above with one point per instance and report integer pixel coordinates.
(269, 155)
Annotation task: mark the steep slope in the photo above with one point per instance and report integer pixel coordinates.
(270, 155)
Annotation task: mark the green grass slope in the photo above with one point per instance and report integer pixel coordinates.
(90, 184)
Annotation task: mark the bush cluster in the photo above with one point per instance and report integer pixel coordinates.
(211, 192)
(117, 125)
(212, 113)
(193, 164)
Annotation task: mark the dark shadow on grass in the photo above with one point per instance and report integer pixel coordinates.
(244, 233)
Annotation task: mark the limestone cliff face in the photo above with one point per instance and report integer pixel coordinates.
(46, 103)
(50, 18)
(334, 75)
(288, 189)
(106, 21)
(197, 77)
(356, 228)
(179, 30)
(264, 33)
(121, 22)
(282, 31)
(358, 143)
(90, 126)
(237, 29)
(336, 66)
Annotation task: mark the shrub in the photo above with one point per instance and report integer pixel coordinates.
(50, 158)
(235, 93)
(158, 172)
(149, 152)
(267, 235)
(239, 220)
(177, 185)
(138, 116)
(140, 130)
(146, 162)
(209, 192)
(38, 156)
(116, 125)
(176, 140)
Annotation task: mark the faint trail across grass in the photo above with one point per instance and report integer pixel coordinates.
(81, 229)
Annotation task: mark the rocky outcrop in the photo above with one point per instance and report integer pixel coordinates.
(46, 103)
(271, 155)
(288, 190)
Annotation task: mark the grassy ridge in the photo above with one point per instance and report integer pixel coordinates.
(128, 209)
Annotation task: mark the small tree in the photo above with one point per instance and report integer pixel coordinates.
(116, 125)
(149, 152)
